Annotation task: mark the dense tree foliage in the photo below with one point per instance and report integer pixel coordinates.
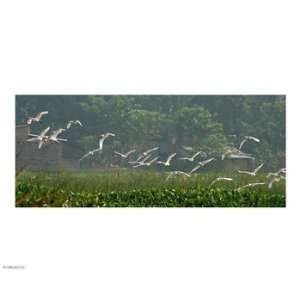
(206, 123)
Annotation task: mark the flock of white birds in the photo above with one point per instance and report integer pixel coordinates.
(146, 159)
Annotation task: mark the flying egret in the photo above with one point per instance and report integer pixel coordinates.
(142, 162)
(202, 164)
(251, 185)
(234, 153)
(149, 163)
(137, 160)
(150, 150)
(275, 174)
(125, 155)
(273, 180)
(167, 162)
(248, 138)
(90, 153)
(191, 159)
(103, 138)
(37, 118)
(220, 179)
(251, 173)
(54, 136)
(177, 173)
(41, 138)
(72, 122)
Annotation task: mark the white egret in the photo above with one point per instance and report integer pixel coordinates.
(251, 173)
(41, 138)
(174, 173)
(90, 153)
(54, 136)
(191, 159)
(248, 138)
(168, 161)
(103, 138)
(72, 122)
(251, 185)
(37, 118)
(125, 155)
(220, 179)
(150, 151)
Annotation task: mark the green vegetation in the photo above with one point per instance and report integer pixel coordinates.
(123, 188)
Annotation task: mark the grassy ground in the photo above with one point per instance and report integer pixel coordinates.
(140, 188)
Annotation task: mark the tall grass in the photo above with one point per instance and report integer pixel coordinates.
(136, 186)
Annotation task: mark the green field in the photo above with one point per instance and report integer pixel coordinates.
(140, 188)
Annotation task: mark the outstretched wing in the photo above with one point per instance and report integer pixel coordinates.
(85, 156)
(150, 150)
(245, 172)
(101, 141)
(43, 133)
(195, 169)
(196, 154)
(39, 115)
(130, 152)
(120, 154)
(258, 168)
(253, 139)
(170, 158)
(242, 143)
(69, 124)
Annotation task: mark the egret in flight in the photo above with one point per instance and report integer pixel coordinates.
(71, 123)
(103, 137)
(248, 138)
(250, 185)
(220, 179)
(37, 118)
(41, 138)
(191, 159)
(125, 155)
(168, 161)
(54, 136)
(251, 173)
(178, 173)
(90, 153)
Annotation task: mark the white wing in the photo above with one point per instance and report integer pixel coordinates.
(239, 156)
(205, 162)
(258, 168)
(195, 169)
(43, 133)
(79, 123)
(183, 173)
(184, 158)
(242, 143)
(253, 138)
(153, 160)
(41, 143)
(101, 141)
(129, 152)
(195, 155)
(39, 115)
(245, 172)
(85, 155)
(120, 154)
(170, 158)
(150, 150)
(69, 124)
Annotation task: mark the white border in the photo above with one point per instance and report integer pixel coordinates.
(157, 47)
